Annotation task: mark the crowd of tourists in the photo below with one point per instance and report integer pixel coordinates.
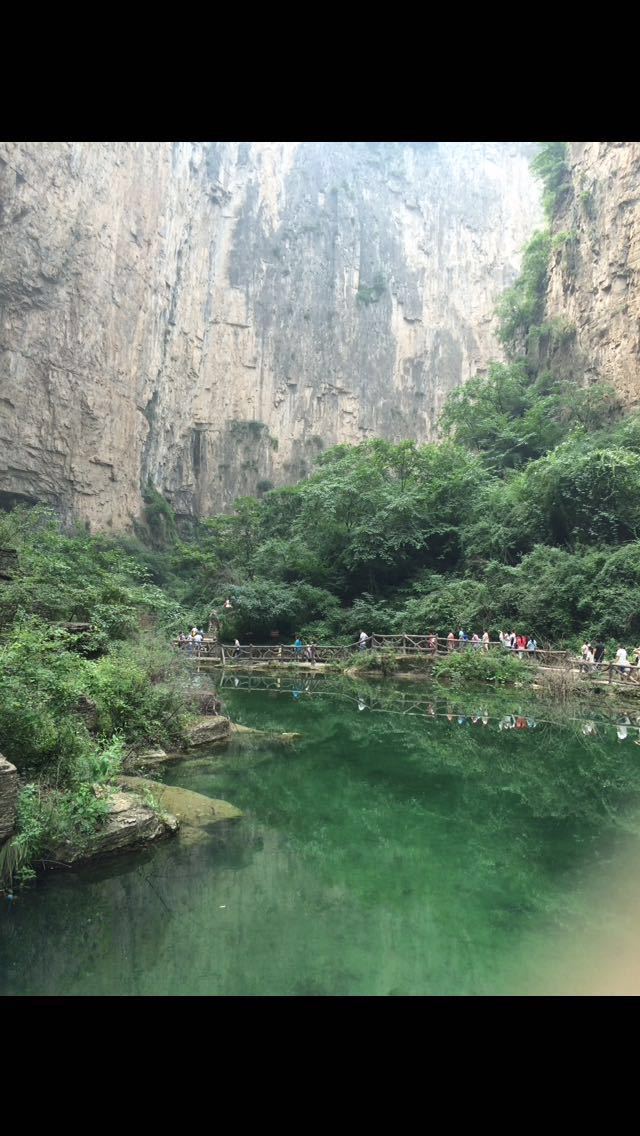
(525, 645)
(191, 643)
(592, 656)
(627, 663)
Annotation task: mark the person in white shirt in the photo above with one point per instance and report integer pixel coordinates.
(622, 661)
(364, 639)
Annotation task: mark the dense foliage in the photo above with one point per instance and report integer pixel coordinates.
(72, 700)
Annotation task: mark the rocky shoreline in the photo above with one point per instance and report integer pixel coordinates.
(142, 810)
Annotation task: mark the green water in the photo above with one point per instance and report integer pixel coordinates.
(394, 850)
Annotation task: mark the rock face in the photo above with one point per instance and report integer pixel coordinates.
(211, 315)
(595, 277)
(8, 797)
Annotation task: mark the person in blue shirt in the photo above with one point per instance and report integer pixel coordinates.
(298, 647)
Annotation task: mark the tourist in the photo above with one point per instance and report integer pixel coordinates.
(198, 641)
(512, 641)
(588, 659)
(236, 648)
(532, 647)
(227, 603)
(598, 654)
(310, 654)
(451, 639)
(461, 638)
(364, 639)
(485, 640)
(433, 644)
(298, 646)
(521, 643)
(475, 641)
(622, 662)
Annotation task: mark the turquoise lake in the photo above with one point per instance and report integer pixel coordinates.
(406, 844)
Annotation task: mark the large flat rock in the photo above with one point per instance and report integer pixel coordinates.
(130, 824)
(192, 810)
(206, 730)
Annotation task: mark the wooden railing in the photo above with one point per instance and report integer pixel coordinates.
(434, 646)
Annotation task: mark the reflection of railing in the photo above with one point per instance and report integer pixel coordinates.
(408, 703)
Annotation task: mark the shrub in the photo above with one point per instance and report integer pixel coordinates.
(462, 667)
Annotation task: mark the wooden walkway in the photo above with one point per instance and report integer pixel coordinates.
(401, 646)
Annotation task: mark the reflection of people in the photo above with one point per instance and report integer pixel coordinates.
(361, 703)
(621, 728)
(589, 729)
(296, 694)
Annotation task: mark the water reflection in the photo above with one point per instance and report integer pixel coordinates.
(390, 698)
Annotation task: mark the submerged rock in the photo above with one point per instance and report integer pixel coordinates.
(248, 734)
(195, 813)
(192, 810)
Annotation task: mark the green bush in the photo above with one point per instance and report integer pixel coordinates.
(470, 665)
(552, 167)
(131, 704)
(381, 662)
(46, 820)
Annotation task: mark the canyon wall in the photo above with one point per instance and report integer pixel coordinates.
(211, 315)
(594, 280)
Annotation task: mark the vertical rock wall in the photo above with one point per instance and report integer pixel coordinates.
(212, 315)
(595, 275)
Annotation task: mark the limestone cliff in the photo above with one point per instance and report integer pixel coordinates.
(595, 274)
(211, 315)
